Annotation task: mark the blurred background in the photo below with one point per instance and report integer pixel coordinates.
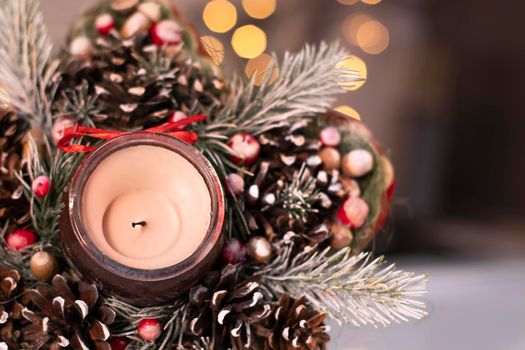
(445, 95)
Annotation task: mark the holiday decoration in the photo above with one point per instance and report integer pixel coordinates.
(118, 343)
(235, 183)
(357, 163)
(159, 230)
(44, 266)
(67, 313)
(259, 249)
(60, 126)
(294, 325)
(149, 329)
(150, 201)
(234, 252)
(41, 186)
(166, 32)
(12, 302)
(246, 147)
(13, 134)
(104, 23)
(20, 239)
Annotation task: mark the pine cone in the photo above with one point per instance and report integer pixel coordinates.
(130, 84)
(226, 305)
(294, 325)
(289, 164)
(12, 302)
(13, 205)
(67, 313)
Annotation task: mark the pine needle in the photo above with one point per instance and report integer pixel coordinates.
(351, 289)
(27, 71)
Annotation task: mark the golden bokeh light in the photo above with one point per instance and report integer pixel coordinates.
(220, 16)
(348, 2)
(354, 68)
(214, 47)
(349, 111)
(373, 37)
(259, 9)
(371, 2)
(258, 69)
(352, 24)
(249, 41)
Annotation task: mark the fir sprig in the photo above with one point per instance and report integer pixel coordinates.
(352, 289)
(27, 71)
(306, 87)
(172, 316)
(299, 196)
(59, 167)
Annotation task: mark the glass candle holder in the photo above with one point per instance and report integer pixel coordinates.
(137, 221)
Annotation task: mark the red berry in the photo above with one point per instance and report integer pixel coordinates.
(149, 329)
(330, 137)
(166, 32)
(41, 186)
(104, 23)
(353, 212)
(234, 252)
(246, 146)
(235, 184)
(118, 343)
(60, 126)
(20, 239)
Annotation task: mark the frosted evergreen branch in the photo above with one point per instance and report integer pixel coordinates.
(27, 72)
(172, 316)
(299, 196)
(351, 289)
(307, 85)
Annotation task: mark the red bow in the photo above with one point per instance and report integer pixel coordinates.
(172, 129)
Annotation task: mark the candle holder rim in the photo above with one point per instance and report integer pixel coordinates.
(188, 152)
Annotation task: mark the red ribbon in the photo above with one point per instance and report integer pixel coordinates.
(172, 129)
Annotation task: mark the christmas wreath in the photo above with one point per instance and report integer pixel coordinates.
(306, 188)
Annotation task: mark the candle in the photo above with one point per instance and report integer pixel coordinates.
(144, 217)
(146, 207)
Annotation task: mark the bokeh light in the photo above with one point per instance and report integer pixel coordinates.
(353, 66)
(258, 69)
(348, 2)
(373, 37)
(220, 16)
(259, 9)
(214, 47)
(349, 111)
(249, 41)
(371, 2)
(352, 24)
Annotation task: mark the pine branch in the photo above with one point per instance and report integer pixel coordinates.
(27, 73)
(59, 167)
(307, 87)
(350, 289)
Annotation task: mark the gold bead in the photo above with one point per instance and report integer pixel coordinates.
(44, 266)
(331, 158)
(259, 249)
(341, 237)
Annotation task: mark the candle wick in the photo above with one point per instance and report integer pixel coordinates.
(135, 224)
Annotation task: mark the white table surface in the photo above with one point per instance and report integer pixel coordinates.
(476, 305)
